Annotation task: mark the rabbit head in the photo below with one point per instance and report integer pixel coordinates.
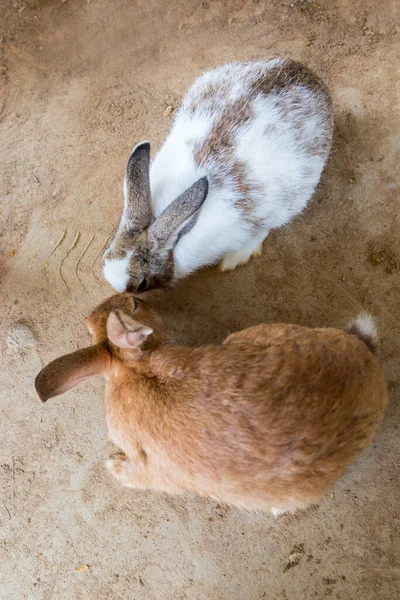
(123, 328)
(140, 256)
(125, 309)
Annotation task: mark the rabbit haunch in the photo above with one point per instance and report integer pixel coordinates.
(267, 420)
(261, 134)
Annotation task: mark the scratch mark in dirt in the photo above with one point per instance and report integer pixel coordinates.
(74, 243)
(80, 258)
(60, 241)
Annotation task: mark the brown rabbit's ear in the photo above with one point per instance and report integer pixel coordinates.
(125, 332)
(180, 216)
(65, 372)
(136, 214)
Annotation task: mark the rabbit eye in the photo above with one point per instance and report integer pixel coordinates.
(142, 286)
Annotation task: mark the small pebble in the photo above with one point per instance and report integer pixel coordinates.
(168, 111)
(64, 1)
(20, 337)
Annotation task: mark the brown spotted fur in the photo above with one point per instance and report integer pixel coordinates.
(220, 143)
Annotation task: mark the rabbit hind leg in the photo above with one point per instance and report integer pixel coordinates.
(244, 254)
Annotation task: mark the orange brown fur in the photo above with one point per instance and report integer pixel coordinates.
(269, 419)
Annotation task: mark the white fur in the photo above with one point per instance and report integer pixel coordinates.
(366, 326)
(241, 256)
(116, 271)
(271, 149)
(277, 512)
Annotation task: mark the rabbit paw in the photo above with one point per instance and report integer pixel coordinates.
(119, 466)
(277, 512)
(241, 257)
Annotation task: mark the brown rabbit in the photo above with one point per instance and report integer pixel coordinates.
(268, 420)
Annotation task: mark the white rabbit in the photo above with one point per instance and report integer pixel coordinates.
(244, 155)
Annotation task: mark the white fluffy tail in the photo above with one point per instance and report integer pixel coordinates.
(365, 329)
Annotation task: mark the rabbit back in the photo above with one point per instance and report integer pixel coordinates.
(249, 422)
(262, 133)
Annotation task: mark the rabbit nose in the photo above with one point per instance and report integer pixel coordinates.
(141, 287)
(131, 289)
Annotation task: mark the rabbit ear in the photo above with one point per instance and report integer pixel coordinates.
(125, 332)
(136, 214)
(179, 216)
(65, 372)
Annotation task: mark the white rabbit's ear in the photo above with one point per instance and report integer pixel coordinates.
(180, 216)
(125, 332)
(136, 214)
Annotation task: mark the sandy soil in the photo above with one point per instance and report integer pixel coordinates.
(82, 82)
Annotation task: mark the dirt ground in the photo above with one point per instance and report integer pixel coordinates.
(82, 82)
